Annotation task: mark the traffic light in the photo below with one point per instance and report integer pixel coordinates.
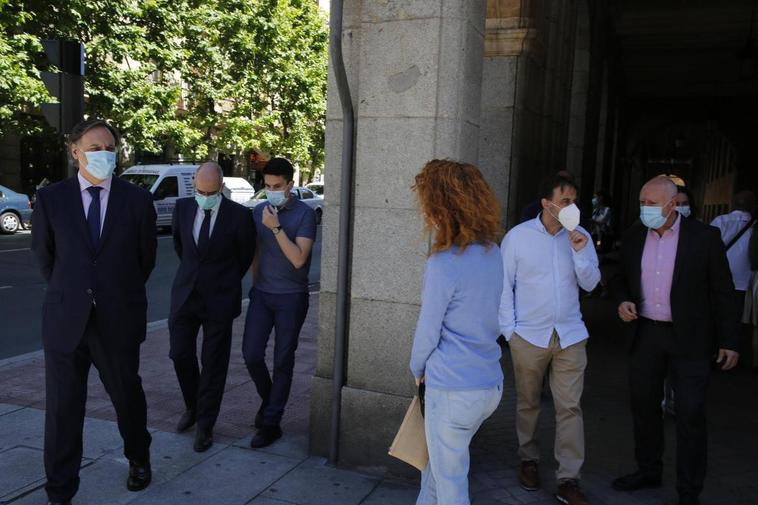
(67, 85)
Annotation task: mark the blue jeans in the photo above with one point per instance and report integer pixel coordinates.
(451, 420)
(285, 314)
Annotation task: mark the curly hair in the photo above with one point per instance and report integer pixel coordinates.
(458, 205)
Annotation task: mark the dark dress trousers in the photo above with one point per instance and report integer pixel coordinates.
(705, 318)
(94, 311)
(207, 293)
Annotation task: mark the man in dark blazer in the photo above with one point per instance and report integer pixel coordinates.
(94, 237)
(214, 238)
(675, 288)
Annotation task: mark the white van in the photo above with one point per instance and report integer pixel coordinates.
(166, 183)
(169, 182)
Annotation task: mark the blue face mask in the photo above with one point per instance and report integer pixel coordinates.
(207, 202)
(684, 210)
(100, 163)
(276, 198)
(652, 217)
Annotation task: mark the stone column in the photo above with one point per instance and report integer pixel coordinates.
(419, 76)
(579, 91)
(507, 32)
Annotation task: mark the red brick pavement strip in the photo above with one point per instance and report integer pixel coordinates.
(23, 381)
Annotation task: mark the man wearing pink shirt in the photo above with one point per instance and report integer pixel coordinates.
(674, 286)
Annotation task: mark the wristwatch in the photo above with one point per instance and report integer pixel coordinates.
(276, 229)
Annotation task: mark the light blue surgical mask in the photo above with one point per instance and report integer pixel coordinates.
(652, 217)
(100, 164)
(207, 202)
(684, 210)
(276, 198)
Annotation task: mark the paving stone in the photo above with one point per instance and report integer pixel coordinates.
(392, 493)
(291, 445)
(5, 408)
(20, 469)
(314, 483)
(24, 427)
(229, 477)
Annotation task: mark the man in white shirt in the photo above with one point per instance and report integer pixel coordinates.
(546, 260)
(731, 225)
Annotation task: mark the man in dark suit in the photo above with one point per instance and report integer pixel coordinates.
(675, 287)
(94, 237)
(214, 238)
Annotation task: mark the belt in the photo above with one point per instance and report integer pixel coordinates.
(655, 323)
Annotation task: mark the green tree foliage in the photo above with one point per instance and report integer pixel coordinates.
(195, 77)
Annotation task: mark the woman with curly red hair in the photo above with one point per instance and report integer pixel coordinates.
(455, 351)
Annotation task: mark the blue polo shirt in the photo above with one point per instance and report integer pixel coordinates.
(276, 275)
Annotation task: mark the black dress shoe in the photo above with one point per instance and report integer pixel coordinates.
(186, 421)
(203, 439)
(139, 476)
(266, 436)
(635, 481)
(59, 503)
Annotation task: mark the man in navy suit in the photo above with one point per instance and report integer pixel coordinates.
(214, 238)
(94, 237)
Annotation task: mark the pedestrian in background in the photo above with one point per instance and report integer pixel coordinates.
(286, 230)
(602, 222)
(455, 350)
(95, 239)
(545, 262)
(675, 288)
(736, 229)
(750, 315)
(214, 238)
(685, 202)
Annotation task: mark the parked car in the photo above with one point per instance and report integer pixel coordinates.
(167, 183)
(238, 189)
(15, 210)
(317, 188)
(303, 194)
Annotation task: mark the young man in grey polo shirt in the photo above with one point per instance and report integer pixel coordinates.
(286, 230)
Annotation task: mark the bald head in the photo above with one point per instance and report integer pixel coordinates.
(660, 192)
(662, 186)
(209, 177)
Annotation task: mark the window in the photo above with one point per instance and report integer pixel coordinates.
(144, 181)
(307, 194)
(168, 188)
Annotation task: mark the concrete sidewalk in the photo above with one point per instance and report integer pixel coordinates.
(232, 473)
(229, 473)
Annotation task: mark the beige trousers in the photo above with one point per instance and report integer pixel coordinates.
(566, 383)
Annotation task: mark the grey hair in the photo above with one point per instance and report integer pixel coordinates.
(209, 164)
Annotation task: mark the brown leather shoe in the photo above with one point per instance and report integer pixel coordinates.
(529, 475)
(570, 493)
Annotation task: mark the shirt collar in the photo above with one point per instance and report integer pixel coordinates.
(673, 230)
(541, 227)
(744, 216)
(84, 183)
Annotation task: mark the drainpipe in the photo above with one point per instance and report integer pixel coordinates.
(346, 187)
